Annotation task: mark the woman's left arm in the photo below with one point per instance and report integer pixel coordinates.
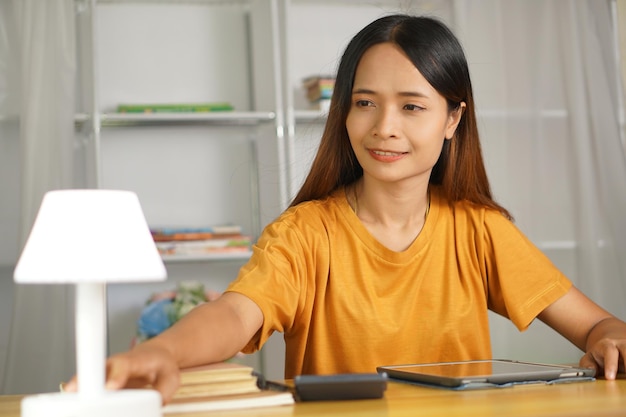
(592, 329)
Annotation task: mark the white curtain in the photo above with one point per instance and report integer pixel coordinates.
(598, 151)
(548, 96)
(40, 350)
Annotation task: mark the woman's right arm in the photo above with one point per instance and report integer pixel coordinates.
(212, 332)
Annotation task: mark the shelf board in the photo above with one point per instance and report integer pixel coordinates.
(79, 119)
(214, 118)
(228, 256)
(170, 2)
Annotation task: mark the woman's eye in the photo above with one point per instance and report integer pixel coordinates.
(413, 107)
(363, 103)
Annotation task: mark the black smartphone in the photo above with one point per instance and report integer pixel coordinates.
(340, 386)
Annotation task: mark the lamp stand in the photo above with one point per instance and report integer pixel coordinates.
(92, 400)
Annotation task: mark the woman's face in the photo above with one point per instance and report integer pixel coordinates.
(397, 121)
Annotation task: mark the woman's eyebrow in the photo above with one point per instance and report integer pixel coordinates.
(363, 91)
(413, 94)
(401, 93)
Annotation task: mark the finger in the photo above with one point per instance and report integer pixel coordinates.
(167, 382)
(622, 365)
(71, 385)
(588, 361)
(611, 362)
(118, 372)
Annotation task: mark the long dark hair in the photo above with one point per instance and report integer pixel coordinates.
(437, 54)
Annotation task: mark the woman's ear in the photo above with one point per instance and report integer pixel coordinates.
(453, 120)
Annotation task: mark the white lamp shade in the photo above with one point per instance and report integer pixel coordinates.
(89, 236)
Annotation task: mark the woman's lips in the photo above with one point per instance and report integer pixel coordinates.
(386, 156)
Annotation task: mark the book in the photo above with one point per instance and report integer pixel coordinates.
(215, 380)
(214, 389)
(174, 107)
(237, 243)
(319, 87)
(229, 402)
(222, 386)
(163, 234)
(215, 372)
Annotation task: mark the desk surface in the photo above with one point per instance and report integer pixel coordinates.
(598, 399)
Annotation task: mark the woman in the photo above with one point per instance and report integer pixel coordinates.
(393, 251)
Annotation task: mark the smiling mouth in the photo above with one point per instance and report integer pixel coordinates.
(386, 153)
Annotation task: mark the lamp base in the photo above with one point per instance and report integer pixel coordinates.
(124, 403)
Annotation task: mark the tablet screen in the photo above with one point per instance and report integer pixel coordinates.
(477, 368)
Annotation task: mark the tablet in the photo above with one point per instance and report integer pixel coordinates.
(494, 371)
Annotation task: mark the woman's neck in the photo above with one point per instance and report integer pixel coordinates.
(393, 215)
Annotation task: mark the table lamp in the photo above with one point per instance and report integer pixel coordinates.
(90, 237)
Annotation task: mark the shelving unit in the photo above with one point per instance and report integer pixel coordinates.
(188, 169)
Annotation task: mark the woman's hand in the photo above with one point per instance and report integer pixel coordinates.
(146, 365)
(606, 351)
(592, 329)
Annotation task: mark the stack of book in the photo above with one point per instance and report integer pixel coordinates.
(222, 386)
(319, 90)
(198, 241)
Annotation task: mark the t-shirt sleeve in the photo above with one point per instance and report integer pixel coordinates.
(522, 281)
(271, 279)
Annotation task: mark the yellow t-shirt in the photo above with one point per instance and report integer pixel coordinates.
(346, 303)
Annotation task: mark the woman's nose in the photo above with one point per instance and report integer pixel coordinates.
(387, 123)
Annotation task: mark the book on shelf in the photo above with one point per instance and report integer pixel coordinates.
(318, 87)
(222, 386)
(174, 107)
(164, 234)
(237, 243)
